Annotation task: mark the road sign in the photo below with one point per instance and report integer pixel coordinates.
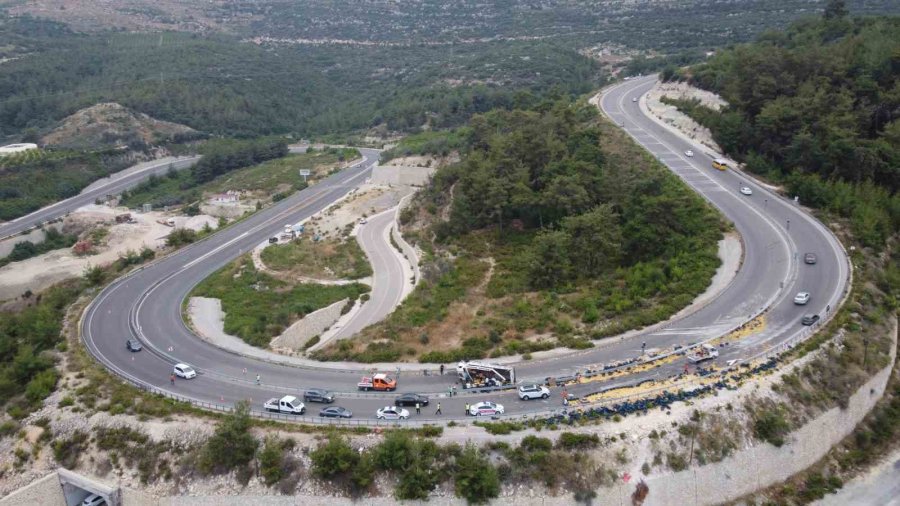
(305, 173)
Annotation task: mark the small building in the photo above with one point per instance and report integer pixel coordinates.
(10, 149)
(225, 198)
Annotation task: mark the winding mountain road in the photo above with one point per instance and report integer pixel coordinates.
(148, 303)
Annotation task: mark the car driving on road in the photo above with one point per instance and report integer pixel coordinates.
(392, 413)
(810, 258)
(335, 412)
(809, 319)
(184, 371)
(318, 395)
(486, 408)
(528, 392)
(689, 153)
(411, 400)
(746, 190)
(801, 298)
(133, 345)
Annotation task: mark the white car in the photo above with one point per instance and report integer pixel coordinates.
(528, 392)
(746, 190)
(634, 99)
(185, 371)
(689, 153)
(486, 408)
(94, 500)
(801, 298)
(392, 413)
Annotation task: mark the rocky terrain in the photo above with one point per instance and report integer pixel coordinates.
(111, 125)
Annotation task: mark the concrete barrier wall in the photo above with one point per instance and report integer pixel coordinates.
(44, 491)
(313, 324)
(396, 174)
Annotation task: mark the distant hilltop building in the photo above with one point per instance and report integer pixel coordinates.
(17, 148)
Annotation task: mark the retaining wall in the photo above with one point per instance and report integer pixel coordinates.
(313, 324)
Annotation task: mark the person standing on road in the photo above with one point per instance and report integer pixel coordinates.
(257, 379)
(418, 409)
(467, 409)
(438, 411)
(442, 369)
(172, 378)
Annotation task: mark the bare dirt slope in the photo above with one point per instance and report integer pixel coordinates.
(111, 125)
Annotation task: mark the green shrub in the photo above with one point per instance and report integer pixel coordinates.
(271, 460)
(232, 445)
(66, 451)
(41, 385)
(771, 426)
(577, 441)
(476, 479)
(334, 458)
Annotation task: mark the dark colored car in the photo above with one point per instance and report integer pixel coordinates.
(133, 345)
(810, 258)
(273, 240)
(809, 319)
(318, 395)
(411, 400)
(335, 412)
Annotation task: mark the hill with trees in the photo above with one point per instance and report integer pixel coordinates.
(553, 230)
(818, 108)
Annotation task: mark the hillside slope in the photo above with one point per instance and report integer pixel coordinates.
(109, 125)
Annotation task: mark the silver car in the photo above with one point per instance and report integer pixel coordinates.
(801, 298)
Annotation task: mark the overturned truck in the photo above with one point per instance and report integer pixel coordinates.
(484, 375)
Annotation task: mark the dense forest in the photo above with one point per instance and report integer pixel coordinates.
(48, 177)
(544, 171)
(221, 85)
(818, 107)
(553, 223)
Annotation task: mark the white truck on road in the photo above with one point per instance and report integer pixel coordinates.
(287, 404)
(703, 353)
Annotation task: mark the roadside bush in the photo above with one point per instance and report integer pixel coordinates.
(180, 237)
(41, 386)
(67, 451)
(232, 445)
(476, 479)
(770, 426)
(334, 459)
(271, 460)
(577, 441)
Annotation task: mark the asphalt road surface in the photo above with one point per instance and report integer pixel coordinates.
(112, 187)
(148, 303)
(387, 274)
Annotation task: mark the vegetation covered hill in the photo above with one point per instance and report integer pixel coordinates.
(818, 107)
(222, 85)
(110, 125)
(555, 229)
